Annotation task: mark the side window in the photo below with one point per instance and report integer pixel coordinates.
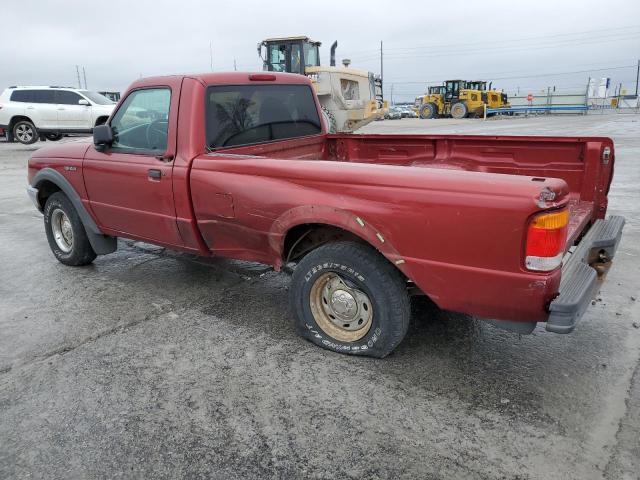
(67, 98)
(141, 124)
(22, 96)
(44, 96)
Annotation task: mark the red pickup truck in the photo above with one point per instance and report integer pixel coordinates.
(240, 165)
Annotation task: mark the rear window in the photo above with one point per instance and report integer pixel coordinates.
(247, 114)
(33, 96)
(22, 96)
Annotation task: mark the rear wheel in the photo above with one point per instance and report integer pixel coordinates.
(25, 132)
(53, 137)
(428, 110)
(348, 298)
(459, 110)
(65, 232)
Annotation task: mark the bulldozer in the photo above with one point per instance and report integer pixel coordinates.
(453, 99)
(350, 98)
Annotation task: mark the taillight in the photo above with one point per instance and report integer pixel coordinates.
(546, 239)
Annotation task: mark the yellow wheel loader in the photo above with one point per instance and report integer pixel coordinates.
(462, 102)
(453, 99)
(430, 105)
(350, 98)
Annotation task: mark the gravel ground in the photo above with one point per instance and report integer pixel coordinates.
(153, 364)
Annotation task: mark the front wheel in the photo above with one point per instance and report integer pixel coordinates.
(428, 110)
(348, 298)
(25, 132)
(65, 232)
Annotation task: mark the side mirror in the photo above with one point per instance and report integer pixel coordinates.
(83, 102)
(102, 137)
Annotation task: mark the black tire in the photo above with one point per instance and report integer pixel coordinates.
(459, 110)
(80, 252)
(366, 271)
(331, 119)
(53, 137)
(428, 110)
(25, 132)
(101, 121)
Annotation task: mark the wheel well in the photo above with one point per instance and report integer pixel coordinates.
(101, 120)
(16, 119)
(45, 190)
(304, 238)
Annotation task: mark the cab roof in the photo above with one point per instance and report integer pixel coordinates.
(291, 39)
(228, 78)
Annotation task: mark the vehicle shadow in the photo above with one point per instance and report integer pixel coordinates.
(445, 354)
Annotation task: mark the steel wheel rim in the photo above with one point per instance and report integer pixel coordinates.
(24, 133)
(340, 310)
(62, 230)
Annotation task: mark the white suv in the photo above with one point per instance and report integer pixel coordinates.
(30, 113)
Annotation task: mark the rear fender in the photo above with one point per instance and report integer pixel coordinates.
(335, 217)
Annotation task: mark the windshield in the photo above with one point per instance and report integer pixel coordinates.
(246, 114)
(96, 97)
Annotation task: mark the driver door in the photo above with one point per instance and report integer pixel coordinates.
(129, 185)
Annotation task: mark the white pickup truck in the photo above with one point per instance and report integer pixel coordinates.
(31, 113)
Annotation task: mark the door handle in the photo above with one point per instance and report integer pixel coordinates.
(31, 108)
(62, 109)
(154, 174)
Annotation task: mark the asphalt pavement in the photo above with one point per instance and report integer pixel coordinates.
(156, 364)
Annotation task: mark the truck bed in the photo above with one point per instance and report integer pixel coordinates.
(577, 161)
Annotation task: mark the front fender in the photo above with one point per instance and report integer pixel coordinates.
(102, 244)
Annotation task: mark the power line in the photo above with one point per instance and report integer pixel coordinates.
(605, 33)
(494, 50)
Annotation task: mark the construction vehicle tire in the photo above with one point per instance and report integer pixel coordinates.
(459, 110)
(330, 118)
(428, 110)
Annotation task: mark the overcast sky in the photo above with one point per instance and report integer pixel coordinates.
(517, 44)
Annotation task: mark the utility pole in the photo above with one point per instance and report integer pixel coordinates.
(84, 74)
(619, 93)
(382, 72)
(637, 76)
(392, 94)
(211, 55)
(235, 68)
(586, 96)
(78, 75)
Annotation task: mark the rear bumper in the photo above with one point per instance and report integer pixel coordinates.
(580, 273)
